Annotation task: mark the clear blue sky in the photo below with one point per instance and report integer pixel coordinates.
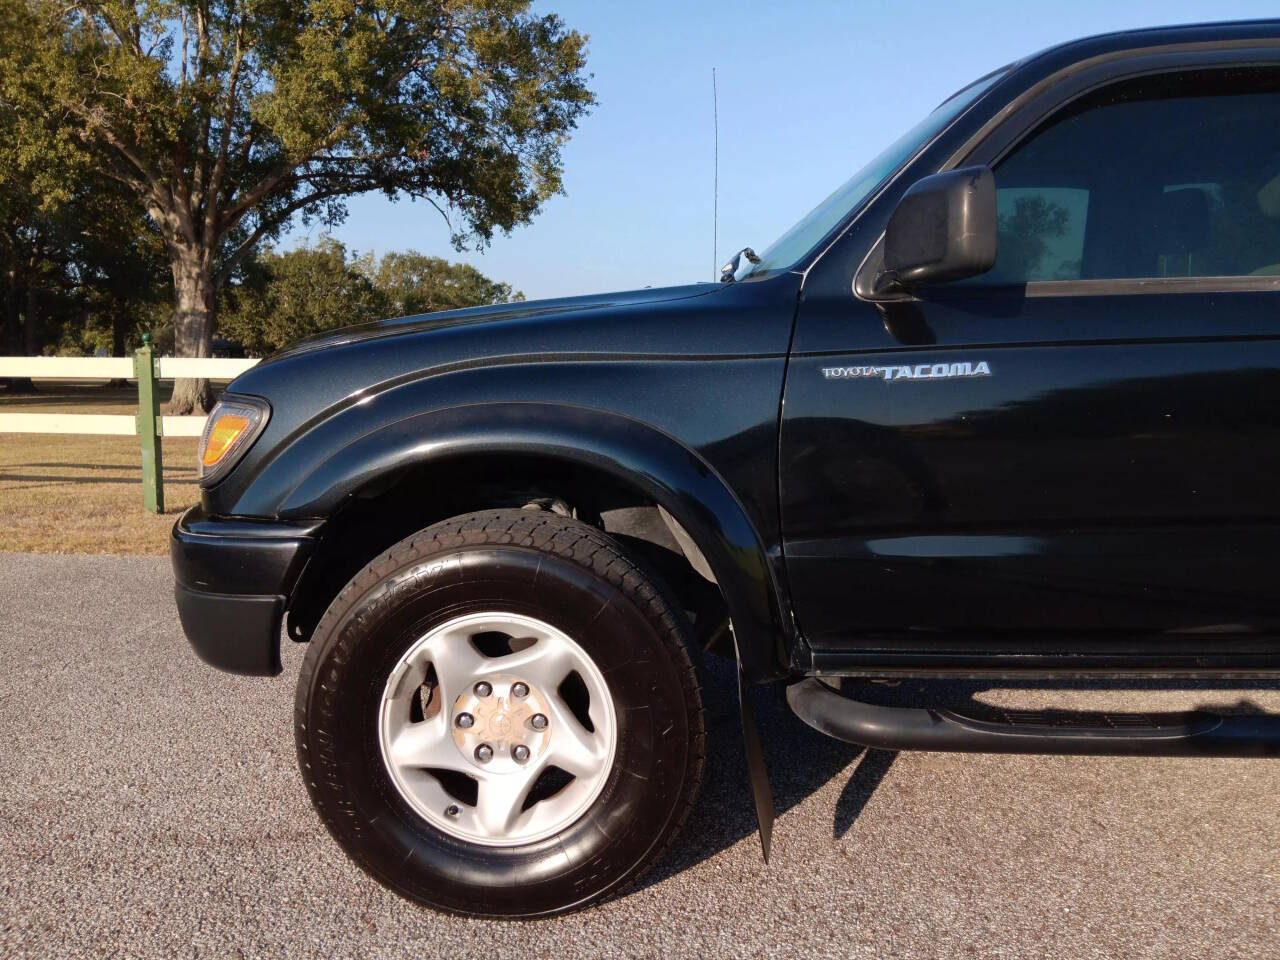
(808, 92)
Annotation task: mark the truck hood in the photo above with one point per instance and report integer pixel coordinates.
(532, 310)
(573, 351)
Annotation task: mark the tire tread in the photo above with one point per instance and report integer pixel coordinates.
(571, 539)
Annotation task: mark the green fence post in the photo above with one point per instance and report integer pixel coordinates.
(144, 368)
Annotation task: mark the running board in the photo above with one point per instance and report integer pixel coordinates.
(1195, 734)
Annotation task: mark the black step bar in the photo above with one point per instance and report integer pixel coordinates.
(1195, 734)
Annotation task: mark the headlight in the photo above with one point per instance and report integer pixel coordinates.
(232, 426)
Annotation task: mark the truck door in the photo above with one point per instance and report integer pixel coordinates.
(1078, 452)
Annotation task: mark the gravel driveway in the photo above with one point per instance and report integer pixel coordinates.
(150, 807)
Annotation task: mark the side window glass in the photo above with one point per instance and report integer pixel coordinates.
(1041, 232)
(1172, 176)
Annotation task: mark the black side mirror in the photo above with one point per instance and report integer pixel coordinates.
(944, 228)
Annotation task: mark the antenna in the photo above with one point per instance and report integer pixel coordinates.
(715, 190)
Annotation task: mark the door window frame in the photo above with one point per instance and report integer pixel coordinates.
(1023, 117)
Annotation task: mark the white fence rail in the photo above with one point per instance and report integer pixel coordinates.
(109, 368)
(211, 368)
(96, 424)
(149, 426)
(68, 368)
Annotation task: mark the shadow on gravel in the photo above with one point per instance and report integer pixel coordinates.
(866, 777)
(800, 760)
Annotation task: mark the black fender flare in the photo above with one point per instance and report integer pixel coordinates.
(651, 461)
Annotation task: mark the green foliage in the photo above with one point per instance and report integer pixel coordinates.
(228, 117)
(284, 297)
(288, 296)
(78, 265)
(412, 282)
(41, 158)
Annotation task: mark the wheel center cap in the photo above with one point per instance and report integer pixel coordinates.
(502, 721)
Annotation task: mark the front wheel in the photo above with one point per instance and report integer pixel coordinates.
(499, 716)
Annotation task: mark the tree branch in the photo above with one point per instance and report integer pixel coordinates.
(93, 121)
(127, 39)
(220, 165)
(274, 222)
(236, 212)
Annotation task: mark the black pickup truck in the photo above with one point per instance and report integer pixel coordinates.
(1005, 405)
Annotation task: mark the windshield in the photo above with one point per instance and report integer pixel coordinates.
(806, 234)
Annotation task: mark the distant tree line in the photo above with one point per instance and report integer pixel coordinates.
(286, 296)
(79, 288)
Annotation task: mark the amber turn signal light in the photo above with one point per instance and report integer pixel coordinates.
(226, 431)
(231, 427)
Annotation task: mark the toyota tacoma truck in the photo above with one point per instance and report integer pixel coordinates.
(1005, 405)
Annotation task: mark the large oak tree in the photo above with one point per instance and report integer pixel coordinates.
(226, 119)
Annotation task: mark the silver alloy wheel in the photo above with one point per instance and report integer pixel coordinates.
(536, 659)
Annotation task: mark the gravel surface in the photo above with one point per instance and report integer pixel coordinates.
(151, 807)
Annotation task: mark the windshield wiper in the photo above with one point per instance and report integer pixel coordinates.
(729, 269)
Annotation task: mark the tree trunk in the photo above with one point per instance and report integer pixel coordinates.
(119, 330)
(23, 385)
(9, 344)
(119, 326)
(9, 319)
(30, 344)
(193, 317)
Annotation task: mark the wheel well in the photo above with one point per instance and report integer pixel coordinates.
(393, 507)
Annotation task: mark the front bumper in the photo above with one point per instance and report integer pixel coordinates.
(232, 582)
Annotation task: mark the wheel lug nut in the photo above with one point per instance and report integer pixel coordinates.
(519, 689)
(452, 810)
(464, 720)
(538, 722)
(520, 752)
(483, 689)
(484, 753)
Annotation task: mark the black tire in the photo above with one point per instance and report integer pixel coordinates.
(586, 587)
